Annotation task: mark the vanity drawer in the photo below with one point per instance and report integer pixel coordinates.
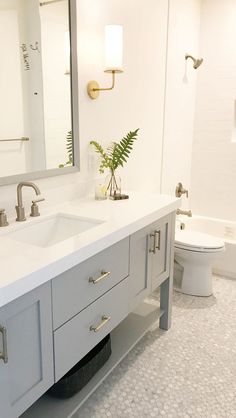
(78, 287)
(77, 337)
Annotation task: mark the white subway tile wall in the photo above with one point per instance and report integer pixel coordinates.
(214, 154)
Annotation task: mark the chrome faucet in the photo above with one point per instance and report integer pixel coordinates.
(20, 210)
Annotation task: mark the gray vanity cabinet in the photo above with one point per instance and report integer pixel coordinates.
(92, 299)
(149, 258)
(26, 351)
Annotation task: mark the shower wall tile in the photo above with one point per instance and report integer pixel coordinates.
(214, 154)
(184, 31)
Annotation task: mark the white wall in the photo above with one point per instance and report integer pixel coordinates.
(137, 100)
(214, 155)
(184, 28)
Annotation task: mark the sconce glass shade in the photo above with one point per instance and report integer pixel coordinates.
(114, 48)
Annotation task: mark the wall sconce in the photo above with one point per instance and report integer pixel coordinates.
(113, 58)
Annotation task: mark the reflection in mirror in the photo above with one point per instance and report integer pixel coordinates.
(35, 84)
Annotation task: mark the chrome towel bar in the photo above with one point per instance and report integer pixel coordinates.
(23, 138)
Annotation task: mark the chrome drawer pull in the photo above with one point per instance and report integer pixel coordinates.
(104, 275)
(159, 239)
(97, 328)
(3, 354)
(153, 250)
(155, 245)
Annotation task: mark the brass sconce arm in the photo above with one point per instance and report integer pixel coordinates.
(93, 88)
(108, 88)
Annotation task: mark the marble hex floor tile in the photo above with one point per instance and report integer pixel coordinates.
(187, 372)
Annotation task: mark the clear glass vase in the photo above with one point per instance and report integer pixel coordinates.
(100, 188)
(113, 184)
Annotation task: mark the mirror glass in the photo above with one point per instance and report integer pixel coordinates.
(36, 132)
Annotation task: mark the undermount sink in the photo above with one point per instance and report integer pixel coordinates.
(54, 229)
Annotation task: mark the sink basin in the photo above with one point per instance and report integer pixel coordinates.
(53, 230)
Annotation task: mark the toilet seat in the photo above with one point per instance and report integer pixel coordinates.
(198, 241)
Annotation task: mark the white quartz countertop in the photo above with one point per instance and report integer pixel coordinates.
(24, 267)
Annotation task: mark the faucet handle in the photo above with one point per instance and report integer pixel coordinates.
(41, 199)
(34, 207)
(179, 190)
(3, 218)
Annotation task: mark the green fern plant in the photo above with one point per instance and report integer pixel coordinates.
(69, 148)
(117, 153)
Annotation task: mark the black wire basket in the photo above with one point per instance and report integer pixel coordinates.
(83, 371)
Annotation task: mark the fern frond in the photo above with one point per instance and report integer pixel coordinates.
(69, 148)
(123, 148)
(105, 162)
(98, 148)
(116, 154)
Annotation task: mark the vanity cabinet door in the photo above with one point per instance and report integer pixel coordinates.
(160, 249)
(26, 346)
(149, 259)
(140, 262)
(5, 406)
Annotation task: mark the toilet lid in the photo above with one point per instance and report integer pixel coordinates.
(195, 239)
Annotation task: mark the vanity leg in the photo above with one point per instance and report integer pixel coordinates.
(166, 288)
(166, 303)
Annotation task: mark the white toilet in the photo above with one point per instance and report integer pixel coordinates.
(194, 255)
